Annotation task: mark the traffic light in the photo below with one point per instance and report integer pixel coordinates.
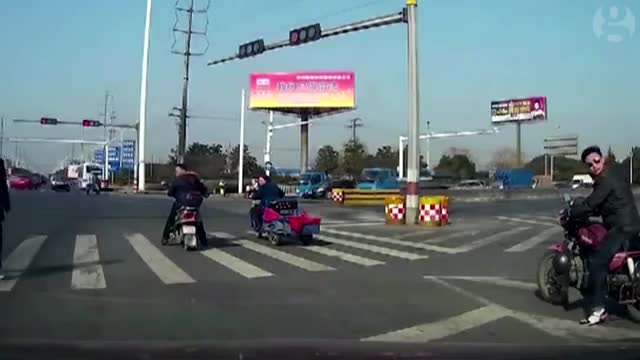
(305, 34)
(48, 121)
(91, 123)
(253, 48)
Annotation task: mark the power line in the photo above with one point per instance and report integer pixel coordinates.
(353, 125)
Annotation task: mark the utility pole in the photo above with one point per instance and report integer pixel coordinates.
(2, 137)
(353, 125)
(182, 131)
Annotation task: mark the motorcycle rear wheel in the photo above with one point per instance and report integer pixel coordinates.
(550, 291)
(275, 239)
(306, 240)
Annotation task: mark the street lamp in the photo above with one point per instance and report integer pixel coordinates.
(140, 174)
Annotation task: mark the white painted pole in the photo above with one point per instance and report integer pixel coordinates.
(400, 157)
(631, 167)
(142, 122)
(241, 148)
(551, 167)
(267, 154)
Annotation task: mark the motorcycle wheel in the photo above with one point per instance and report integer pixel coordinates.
(188, 240)
(306, 240)
(275, 239)
(550, 291)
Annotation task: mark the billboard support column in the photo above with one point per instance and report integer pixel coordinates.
(519, 143)
(304, 142)
(241, 147)
(551, 167)
(413, 121)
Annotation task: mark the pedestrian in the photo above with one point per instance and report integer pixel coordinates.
(5, 206)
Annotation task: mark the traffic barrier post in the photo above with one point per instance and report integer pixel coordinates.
(430, 211)
(394, 209)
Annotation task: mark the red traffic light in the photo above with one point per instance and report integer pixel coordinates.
(48, 121)
(305, 34)
(91, 123)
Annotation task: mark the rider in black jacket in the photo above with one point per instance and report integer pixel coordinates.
(613, 200)
(183, 187)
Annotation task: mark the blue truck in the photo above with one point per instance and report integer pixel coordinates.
(378, 179)
(312, 185)
(515, 178)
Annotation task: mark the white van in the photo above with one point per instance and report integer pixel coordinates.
(581, 180)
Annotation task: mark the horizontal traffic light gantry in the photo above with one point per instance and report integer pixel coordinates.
(252, 48)
(91, 123)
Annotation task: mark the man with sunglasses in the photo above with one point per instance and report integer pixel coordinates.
(613, 200)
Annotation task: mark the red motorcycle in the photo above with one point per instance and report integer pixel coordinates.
(565, 264)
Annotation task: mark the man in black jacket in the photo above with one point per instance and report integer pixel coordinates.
(185, 190)
(267, 192)
(613, 200)
(5, 206)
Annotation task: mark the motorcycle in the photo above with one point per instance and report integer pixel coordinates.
(282, 219)
(565, 265)
(185, 229)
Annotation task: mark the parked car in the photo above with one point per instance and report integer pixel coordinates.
(20, 182)
(60, 184)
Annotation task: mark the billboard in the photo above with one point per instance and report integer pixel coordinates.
(302, 90)
(561, 145)
(519, 110)
(128, 154)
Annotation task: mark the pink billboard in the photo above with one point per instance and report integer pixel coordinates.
(322, 89)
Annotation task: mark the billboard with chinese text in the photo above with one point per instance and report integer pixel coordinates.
(519, 110)
(328, 89)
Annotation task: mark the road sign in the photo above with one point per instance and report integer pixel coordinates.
(128, 154)
(561, 145)
(98, 156)
(114, 158)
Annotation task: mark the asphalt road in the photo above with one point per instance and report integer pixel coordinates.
(90, 271)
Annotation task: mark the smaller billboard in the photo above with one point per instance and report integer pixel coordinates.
(326, 89)
(561, 145)
(519, 110)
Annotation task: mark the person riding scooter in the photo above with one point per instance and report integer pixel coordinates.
(93, 185)
(267, 192)
(187, 190)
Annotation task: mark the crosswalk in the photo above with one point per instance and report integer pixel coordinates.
(245, 257)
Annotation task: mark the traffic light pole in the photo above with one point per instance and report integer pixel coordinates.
(413, 160)
(339, 30)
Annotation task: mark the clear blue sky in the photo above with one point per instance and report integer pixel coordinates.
(60, 56)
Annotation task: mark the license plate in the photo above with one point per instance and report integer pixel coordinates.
(286, 212)
(188, 229)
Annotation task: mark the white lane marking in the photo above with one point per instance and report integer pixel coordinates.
(284, 257)
(87, 272)
(445, 327)
(416, 233)
(548, 218)
(19, 260)
(233, 263)
(490, 239)
(495, 280)
(160, 264)
(373, 248)
(351, 224)
(553, 326)
(392, 241)
(370, 217)
(526, 221)
(343, 256)
(535, 240)
(446, 237)
(221, 235)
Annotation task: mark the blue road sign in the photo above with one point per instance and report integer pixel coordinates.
(114, 158)
(98, 156)
(128, 154)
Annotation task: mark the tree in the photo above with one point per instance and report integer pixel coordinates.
(563, 167)
(208, 160)
(611, 157)
(386, 157)
(458, 166)
(504, 158)
(250, 163)
(354, 157)
(327, 159)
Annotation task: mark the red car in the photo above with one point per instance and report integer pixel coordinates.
(21, 182)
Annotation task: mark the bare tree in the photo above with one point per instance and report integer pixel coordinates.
(505, 158)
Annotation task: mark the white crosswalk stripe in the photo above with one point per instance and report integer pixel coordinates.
(238, 265)
(344, 256)
(19, 260)
(284, 257)
(162, 266)
(87, 272)
(373, 248)
(391, 241)
(536, 240)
